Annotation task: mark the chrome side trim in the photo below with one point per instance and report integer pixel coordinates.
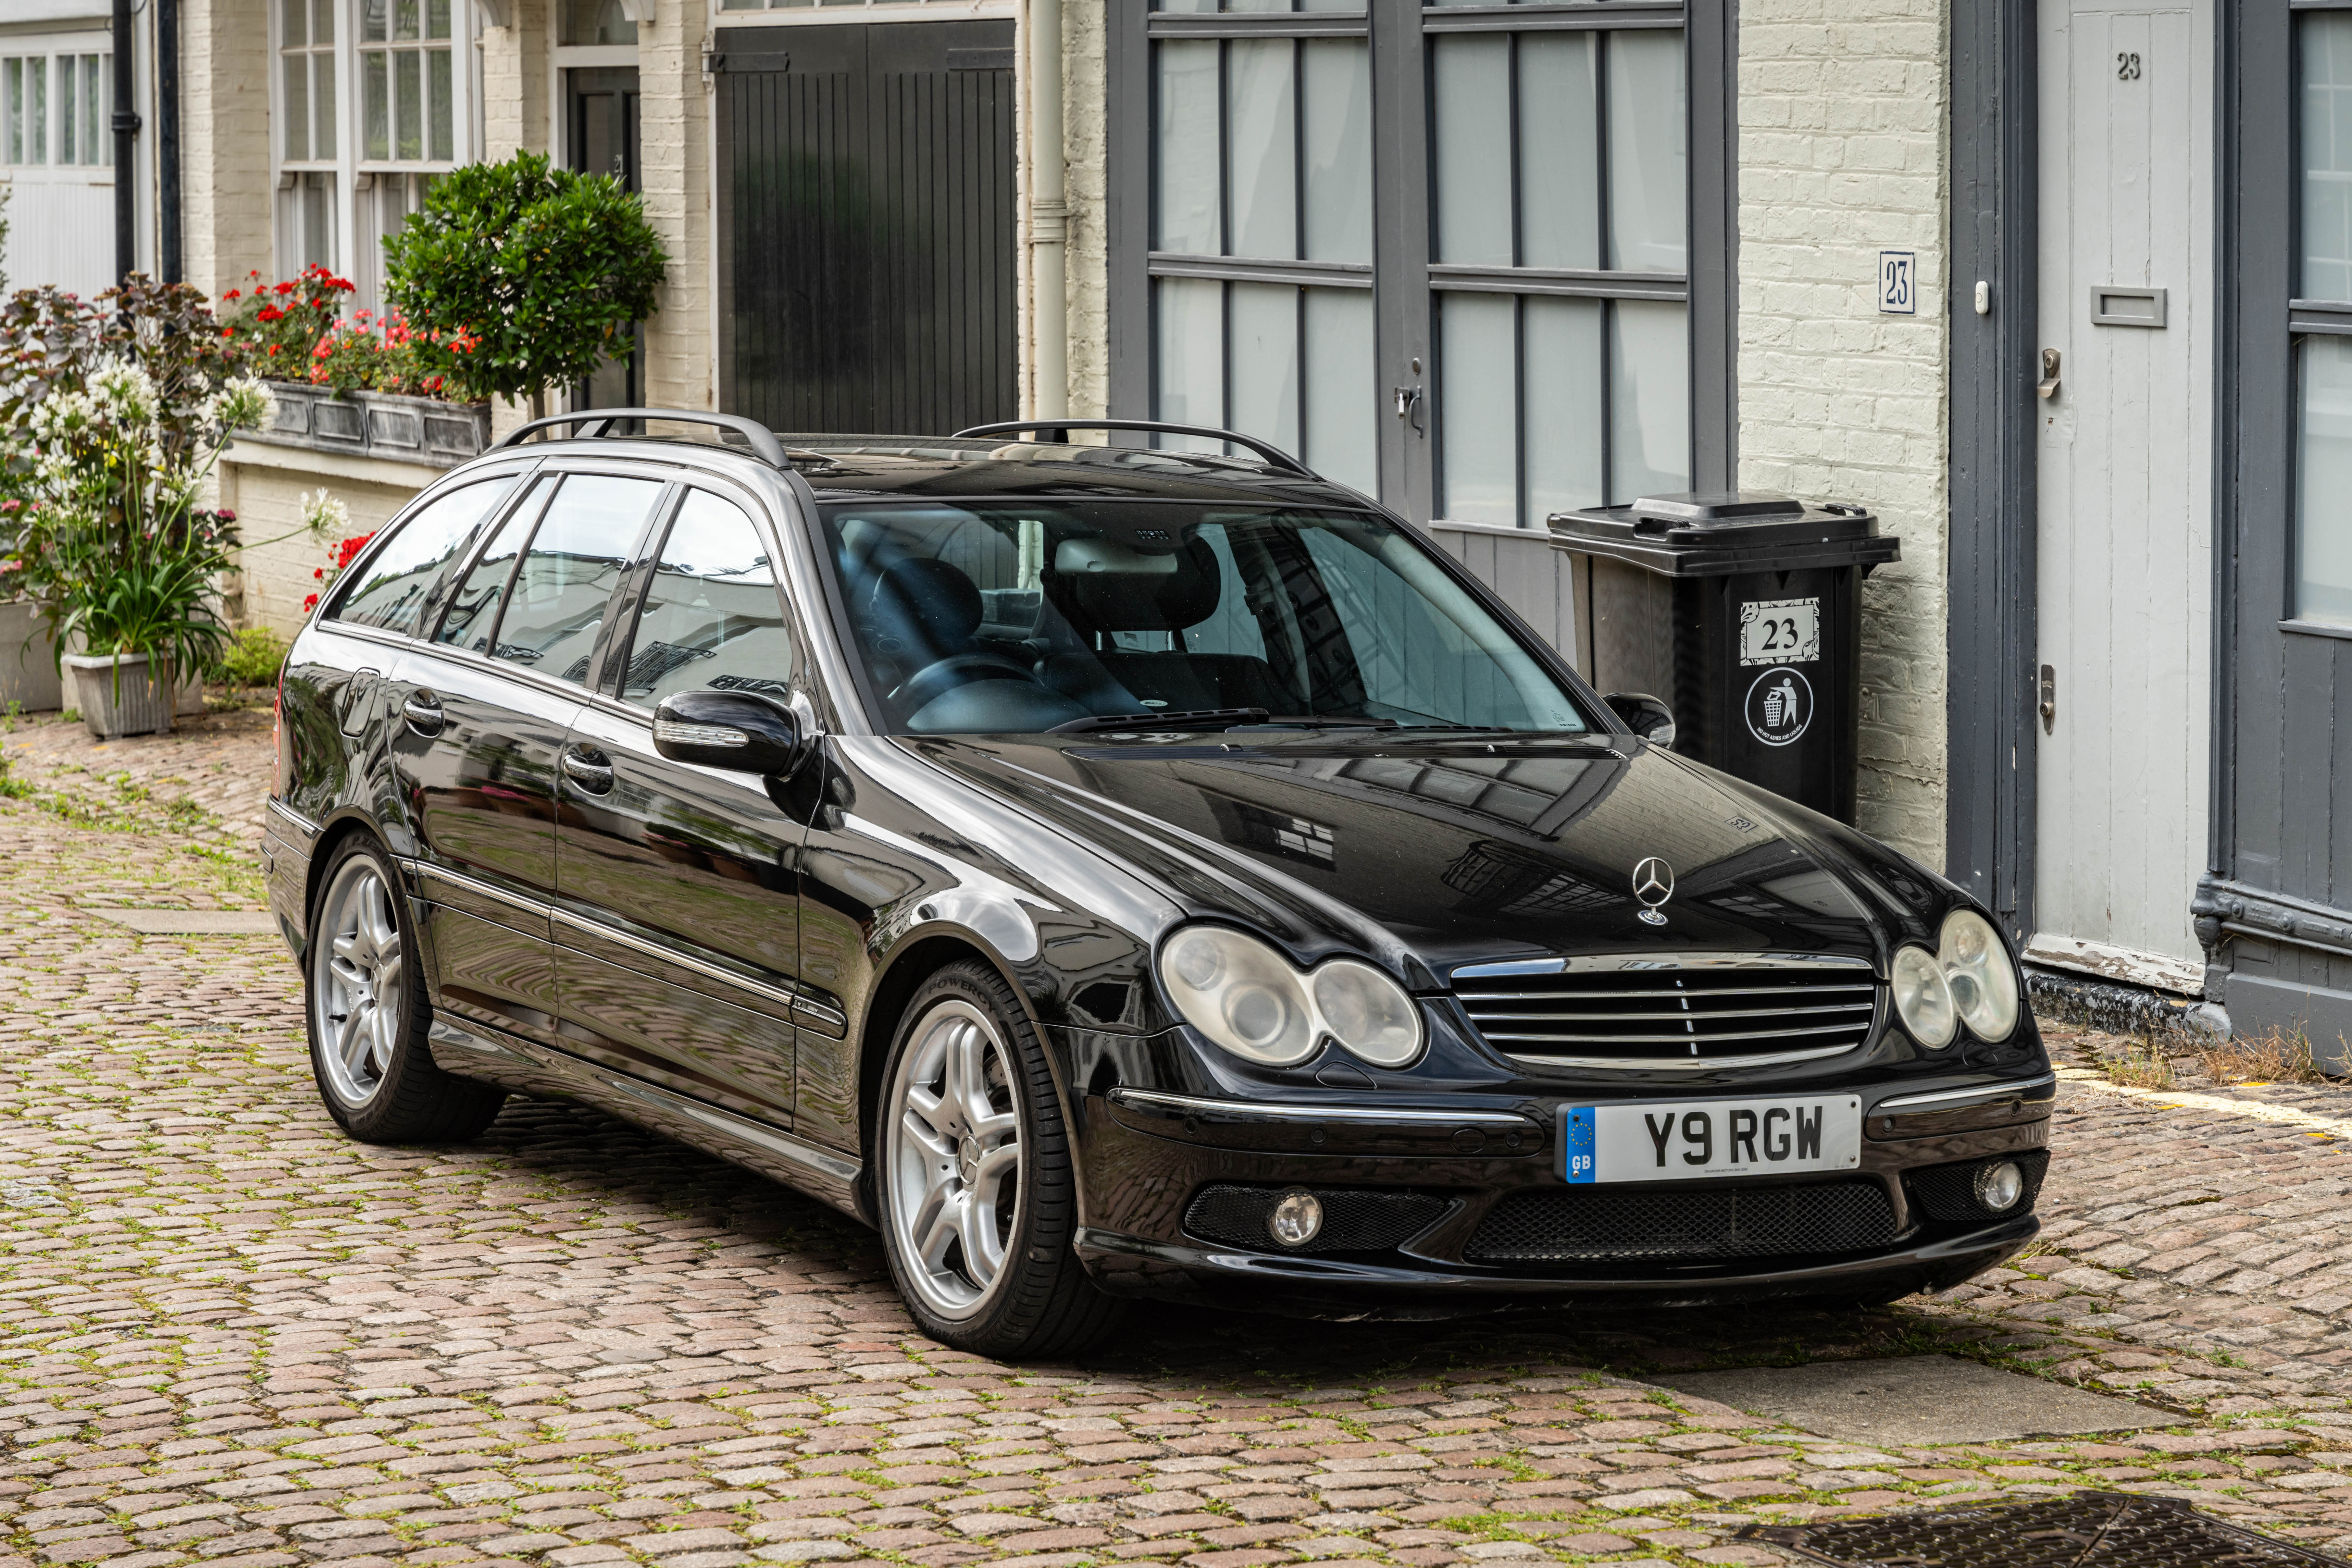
(1683, 1063)
(479, 889)
(1640, 962)
(835, 1169)
(302, 825)
(1367, 1116)
(771, 995)
(1954, 1098)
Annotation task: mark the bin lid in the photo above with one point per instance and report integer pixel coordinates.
(1697, 534)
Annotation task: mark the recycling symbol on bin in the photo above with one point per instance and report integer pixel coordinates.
(1779, 706)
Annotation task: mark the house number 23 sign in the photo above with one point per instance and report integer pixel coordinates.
(1780, 632)
(1898, 282)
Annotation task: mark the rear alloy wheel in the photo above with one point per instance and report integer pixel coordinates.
(368, 1015)
(975, 1186)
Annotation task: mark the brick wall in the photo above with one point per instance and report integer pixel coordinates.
(673, 131)
(1084, 124)
(225, 181)
(1844, 152)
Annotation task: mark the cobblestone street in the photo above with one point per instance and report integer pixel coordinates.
(230, 1336)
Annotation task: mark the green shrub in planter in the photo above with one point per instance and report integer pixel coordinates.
(522, 275)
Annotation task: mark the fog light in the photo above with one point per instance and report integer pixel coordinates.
(2000, 1187)
(1297, 1218)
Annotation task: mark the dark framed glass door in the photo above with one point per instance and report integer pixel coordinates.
(601, 106)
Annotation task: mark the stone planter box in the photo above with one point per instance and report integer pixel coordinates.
(28, 670)
(118, 695)
(375, 424)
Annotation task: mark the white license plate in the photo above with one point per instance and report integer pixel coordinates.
(1780, 632)
(1691, 1138)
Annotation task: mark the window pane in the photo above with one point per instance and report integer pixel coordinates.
(1560, 158)
(322, 21)
(1342, 392)
(1187, 146)
(403, 570)
(1477, 411)
(2326, 40)
(567, 578)
(1472, 80)
(1265, 342)
(37, 113)
(69, 118)
(1190, 355)
(93, 109)
(373, 22)
(403, 19)
(317, 195)
(711, 615)
(1560, 377)
(298, 107)
(294, 17)
(439, 106)
(1645, 150)
(375, 106)
(1336, 125)
(2324, 482)
(436, 18)
(12, 88)
(407, 75)
(1261, 123)
(323, 89)
(1649, 400)
(474, 608)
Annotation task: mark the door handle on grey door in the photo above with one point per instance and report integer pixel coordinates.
(422, 712)
(588, 769)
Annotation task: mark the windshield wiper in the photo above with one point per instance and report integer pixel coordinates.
(1186, 718)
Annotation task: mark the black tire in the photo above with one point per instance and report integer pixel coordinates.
(1039, 1301)
(396, 1094)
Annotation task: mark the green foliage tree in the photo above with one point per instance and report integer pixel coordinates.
(525, 276)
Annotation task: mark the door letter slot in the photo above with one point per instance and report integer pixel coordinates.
(2112, 306)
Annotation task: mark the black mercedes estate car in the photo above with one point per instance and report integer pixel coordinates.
(1113, 871)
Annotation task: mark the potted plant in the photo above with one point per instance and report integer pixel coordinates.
(520, 276)
(125, 558)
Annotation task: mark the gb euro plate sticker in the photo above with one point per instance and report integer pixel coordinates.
(1576, 1141)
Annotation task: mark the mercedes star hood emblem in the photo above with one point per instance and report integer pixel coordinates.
(1653, 883)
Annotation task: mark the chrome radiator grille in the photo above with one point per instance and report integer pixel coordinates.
(1669, 1011)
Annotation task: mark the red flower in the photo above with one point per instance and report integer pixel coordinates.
(232, 293)
(284, 289)
(309, 603)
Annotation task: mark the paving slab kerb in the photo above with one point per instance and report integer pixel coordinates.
(229, 1336)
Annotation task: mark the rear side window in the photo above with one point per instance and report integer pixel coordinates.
(568, 575)
(474, 612)
(712, 617)
(400, 575)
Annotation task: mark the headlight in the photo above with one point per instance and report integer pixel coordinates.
(1982, 980)
(1246, 997)
(1923, 1000)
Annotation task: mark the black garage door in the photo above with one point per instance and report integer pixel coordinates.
(866, 226)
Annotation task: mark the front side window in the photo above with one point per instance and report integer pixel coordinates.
(712, 617)
(400, 574)
(2322, 535)
(564, 581)
(972, 621)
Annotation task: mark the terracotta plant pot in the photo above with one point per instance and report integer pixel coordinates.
(119, 694)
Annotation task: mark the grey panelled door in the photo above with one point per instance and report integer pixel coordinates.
(867, 217)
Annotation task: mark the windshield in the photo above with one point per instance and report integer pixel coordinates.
(975, 620)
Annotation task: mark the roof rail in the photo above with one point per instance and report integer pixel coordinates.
(600, 421)
(1059, 430)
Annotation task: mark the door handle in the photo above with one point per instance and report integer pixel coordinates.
(357, 704)
(586, 769)
(2048, 385)
(2048, 706)
(422, 712)
(1408, 407)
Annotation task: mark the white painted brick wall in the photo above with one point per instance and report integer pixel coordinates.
(674, 135)
(224, 169)
(1844, 151)
(276, 573)
(1085, 126)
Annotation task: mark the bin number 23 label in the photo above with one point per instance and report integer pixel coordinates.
(1780, 632)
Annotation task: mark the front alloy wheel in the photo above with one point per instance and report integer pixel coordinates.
(978, 1198)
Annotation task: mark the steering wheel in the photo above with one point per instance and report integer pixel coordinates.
(943, 676)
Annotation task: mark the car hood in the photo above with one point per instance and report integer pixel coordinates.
(1437, 853)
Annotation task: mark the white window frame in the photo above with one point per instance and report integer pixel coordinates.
(58, 53)
(357, 250)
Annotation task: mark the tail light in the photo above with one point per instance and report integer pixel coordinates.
(281, 742)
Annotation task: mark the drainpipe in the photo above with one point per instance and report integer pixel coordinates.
(168, 263)
(1049, 224)
(126, 142)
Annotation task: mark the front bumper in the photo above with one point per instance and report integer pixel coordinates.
(1146, 1155)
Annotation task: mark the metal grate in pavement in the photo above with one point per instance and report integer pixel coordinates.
(2087, 1530)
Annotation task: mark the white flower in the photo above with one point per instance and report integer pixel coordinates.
(240, 405)
(324, 514)
(126, 391)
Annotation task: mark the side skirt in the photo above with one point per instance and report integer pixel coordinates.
(475, 1050)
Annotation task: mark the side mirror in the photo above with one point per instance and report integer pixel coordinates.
(743, 732)
(1644, 715)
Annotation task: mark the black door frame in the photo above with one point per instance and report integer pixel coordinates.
(1990, 627)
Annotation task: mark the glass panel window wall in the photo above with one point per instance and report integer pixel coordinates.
(2321, 589)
